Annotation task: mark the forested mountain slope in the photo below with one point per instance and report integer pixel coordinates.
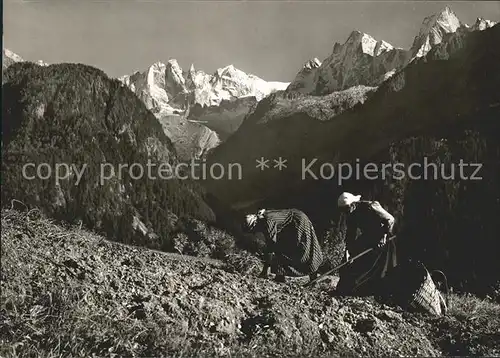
(73, 114)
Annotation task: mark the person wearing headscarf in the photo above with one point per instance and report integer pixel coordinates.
(364, 276)
(292, 247)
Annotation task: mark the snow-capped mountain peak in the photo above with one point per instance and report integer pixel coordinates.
(228, 68)
(9, 57)
(366, 43)
(382, 46)
(305, 78)
(155, 71)
(165, 88)
(346, 65)
(482, 24)
(362, 41)
(364, 60)
(232, 72)
(175, 70)
(446, 19)
(314, 63)
(168, 91)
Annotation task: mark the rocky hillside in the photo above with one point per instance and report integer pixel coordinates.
(167, 91)
(282, 105)
(402, 106)
(404, 121)
(71, 127)
(363, 60)
(191, 139)
(224, 118)
(68, 292)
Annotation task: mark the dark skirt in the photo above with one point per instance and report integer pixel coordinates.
(366, 275)
(298, 251)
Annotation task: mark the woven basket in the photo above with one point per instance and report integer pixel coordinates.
(428, 297)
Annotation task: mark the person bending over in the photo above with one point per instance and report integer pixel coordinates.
(292, 247)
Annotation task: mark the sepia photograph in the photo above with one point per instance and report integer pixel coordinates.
(250, 178)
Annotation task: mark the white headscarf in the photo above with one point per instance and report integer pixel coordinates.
(251, 219)
(346, 199)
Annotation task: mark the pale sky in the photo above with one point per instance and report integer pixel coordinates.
(271, 39)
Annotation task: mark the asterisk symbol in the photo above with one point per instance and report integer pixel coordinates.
(280, 163)
(262, 163)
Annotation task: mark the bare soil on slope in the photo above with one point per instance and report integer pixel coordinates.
(69, 292)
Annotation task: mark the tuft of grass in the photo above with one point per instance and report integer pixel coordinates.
(470, 328)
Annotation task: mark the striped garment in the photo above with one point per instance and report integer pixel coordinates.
(292, 247)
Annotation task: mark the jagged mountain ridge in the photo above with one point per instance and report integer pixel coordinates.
(444, 108)
(301, 134)
(170, 93)
(305, 77)
(363, 60)
(432, 31)
(166, 88)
